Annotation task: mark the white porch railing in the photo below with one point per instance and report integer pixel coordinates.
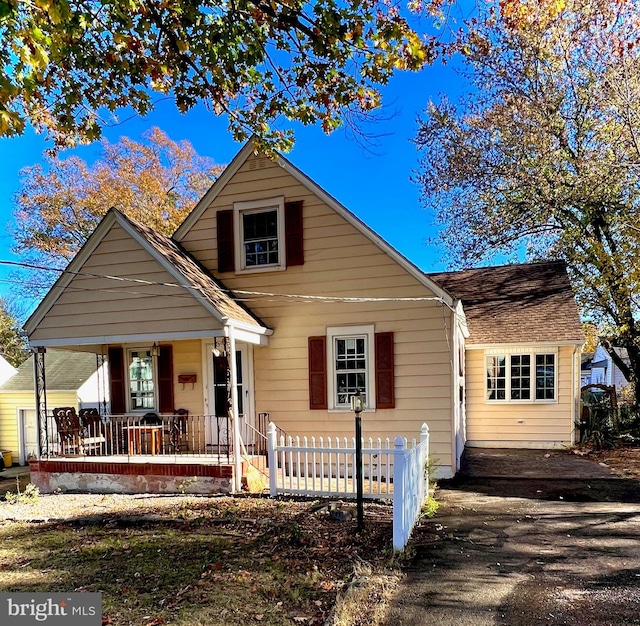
(306, 466)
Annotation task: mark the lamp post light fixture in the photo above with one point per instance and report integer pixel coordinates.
(357, 405)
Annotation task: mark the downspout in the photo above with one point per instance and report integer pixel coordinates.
(237, 474)
(574, 395)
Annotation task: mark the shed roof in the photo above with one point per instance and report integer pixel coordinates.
(524, 303)
(65, 371)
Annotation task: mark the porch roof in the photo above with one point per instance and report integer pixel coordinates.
(197, 276)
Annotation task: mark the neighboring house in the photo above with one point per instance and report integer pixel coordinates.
(73, 379)
(604, 371)
(6, 370)
(312, 306)
(585, 368)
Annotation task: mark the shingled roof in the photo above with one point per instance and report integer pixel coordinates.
(211, 288)
(531, 302)
(66, 371)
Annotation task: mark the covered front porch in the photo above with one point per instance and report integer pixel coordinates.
(179, 350)
(152, 453)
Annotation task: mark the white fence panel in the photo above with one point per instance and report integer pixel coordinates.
(411, 486)
(298, 466)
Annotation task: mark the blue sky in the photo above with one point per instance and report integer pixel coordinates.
(374, 184)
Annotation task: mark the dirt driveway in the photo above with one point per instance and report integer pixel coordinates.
(523, 538)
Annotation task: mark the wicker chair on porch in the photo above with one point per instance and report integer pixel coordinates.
(69, 429)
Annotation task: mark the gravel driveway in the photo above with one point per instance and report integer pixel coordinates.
(526, 538)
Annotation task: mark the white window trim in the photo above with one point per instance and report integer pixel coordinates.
(154, 367)
(350, 331)
(258, 205)
(518, 350)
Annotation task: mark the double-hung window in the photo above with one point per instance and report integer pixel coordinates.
(514, 375)
(142, 389)
(260, 232)
(350, 365)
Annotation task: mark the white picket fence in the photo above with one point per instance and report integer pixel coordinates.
(310, 467)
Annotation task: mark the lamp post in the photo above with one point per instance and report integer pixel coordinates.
(357, 405)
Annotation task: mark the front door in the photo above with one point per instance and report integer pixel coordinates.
(219, 429)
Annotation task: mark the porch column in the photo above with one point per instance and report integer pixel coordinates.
(41, 401)
(237, 475)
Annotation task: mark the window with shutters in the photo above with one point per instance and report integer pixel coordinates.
(351, 359)
(260, 235)
(350, 365)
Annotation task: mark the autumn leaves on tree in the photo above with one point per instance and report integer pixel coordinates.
(157, 182)
(543, 155)
(69, 66)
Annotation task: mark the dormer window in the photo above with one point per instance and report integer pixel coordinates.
(260, 236)
(259, 228)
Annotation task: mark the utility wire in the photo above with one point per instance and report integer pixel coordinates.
(256, 295)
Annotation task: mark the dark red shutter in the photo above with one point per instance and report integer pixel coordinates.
(226, 256)
(117, 380)
(293, 233)
(317, 372)
(385, 386)
(165, 379)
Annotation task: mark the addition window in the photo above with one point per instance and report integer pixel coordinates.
(545, 376)
(260, 232)
(350, 365)
(518, 376)
(142, 389)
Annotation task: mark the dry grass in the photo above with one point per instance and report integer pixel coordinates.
(193, 561)
(364, 602)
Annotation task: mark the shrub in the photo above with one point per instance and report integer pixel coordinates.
(30, 495)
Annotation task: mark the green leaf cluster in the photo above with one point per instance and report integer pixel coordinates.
(69, 65)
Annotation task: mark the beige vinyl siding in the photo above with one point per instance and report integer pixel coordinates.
(11, 402)
(540, 424)
(120, 308)
(339, 261)
(187, 359)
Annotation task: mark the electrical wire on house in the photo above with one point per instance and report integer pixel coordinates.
(252, 295)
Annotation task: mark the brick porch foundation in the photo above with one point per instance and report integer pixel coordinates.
(108, 477)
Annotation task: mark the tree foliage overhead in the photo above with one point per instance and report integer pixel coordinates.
(13, 346)
(68, 64)
(544, 153)
(58, 205)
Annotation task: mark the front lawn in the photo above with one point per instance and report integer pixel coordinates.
(200, 560)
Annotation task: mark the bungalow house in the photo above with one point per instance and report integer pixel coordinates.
(273, 302)
(73, 379)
